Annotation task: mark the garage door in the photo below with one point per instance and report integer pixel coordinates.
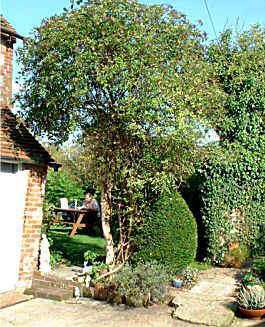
(13, 183)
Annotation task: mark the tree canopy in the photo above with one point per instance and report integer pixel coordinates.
(241, 73)
(132, 80)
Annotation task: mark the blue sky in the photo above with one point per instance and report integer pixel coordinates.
(26, 14)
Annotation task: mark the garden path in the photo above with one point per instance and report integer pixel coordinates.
(211, 301)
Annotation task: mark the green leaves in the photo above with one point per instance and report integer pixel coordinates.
(169, 234)
(60, 185)
(233, 188)
(133, 81)
(142, 285)
(92, 61)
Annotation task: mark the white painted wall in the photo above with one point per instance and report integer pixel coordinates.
(13, 188)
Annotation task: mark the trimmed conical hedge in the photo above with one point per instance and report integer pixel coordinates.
(169, 234)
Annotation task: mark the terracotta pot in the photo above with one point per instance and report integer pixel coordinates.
(100, 292)
(233, 245)
(256, 314)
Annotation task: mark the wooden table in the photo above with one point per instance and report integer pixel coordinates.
(76, 224)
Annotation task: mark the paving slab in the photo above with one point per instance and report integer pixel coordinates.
(67, 272)
(216, 287)
(12, 298)
(198, 309)
(5, 323)
(204, 305)
(210, 301)
(92, 313)
(48, 313)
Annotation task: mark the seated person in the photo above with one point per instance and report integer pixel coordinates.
(90, 203)
(92, 218)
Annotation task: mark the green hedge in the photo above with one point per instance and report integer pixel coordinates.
(169, 234)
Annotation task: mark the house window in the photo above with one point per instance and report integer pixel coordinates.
(7, 167)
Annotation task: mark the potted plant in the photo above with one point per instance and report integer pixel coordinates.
(251, 301)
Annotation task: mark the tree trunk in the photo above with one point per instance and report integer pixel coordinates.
(105, 219)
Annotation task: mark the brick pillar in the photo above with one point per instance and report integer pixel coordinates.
(32, 223)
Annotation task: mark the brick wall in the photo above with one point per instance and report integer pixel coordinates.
(49, 280)
(32, 223)
(18, 144)
(6, 70)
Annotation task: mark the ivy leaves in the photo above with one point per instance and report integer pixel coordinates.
(234, 182)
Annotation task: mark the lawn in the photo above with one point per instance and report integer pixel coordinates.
(73, 248)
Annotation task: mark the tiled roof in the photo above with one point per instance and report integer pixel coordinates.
(4, 23)
(18, 143)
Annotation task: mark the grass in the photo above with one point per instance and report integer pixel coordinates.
(200, 265)
(73, 248)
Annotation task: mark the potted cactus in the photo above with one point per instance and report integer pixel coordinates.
(251, 301)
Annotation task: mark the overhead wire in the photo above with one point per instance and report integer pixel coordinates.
(210, 16)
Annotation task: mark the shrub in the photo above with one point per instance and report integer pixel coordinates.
(61, 185)
(255, 275)
(48, 216)
(259, 268)
(250, 279)
(169, 234)
(190, 276)
(142, 285)
(236, 257)
(91, 256)
(97, 267)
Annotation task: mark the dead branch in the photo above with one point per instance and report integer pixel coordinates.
(109, 273)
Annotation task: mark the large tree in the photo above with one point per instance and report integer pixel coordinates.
(132, 80)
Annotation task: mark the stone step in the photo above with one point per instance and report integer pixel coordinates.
(50, 280)
(11, 298)
(57, 294)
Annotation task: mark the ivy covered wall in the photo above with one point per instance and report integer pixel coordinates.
(233, 187)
